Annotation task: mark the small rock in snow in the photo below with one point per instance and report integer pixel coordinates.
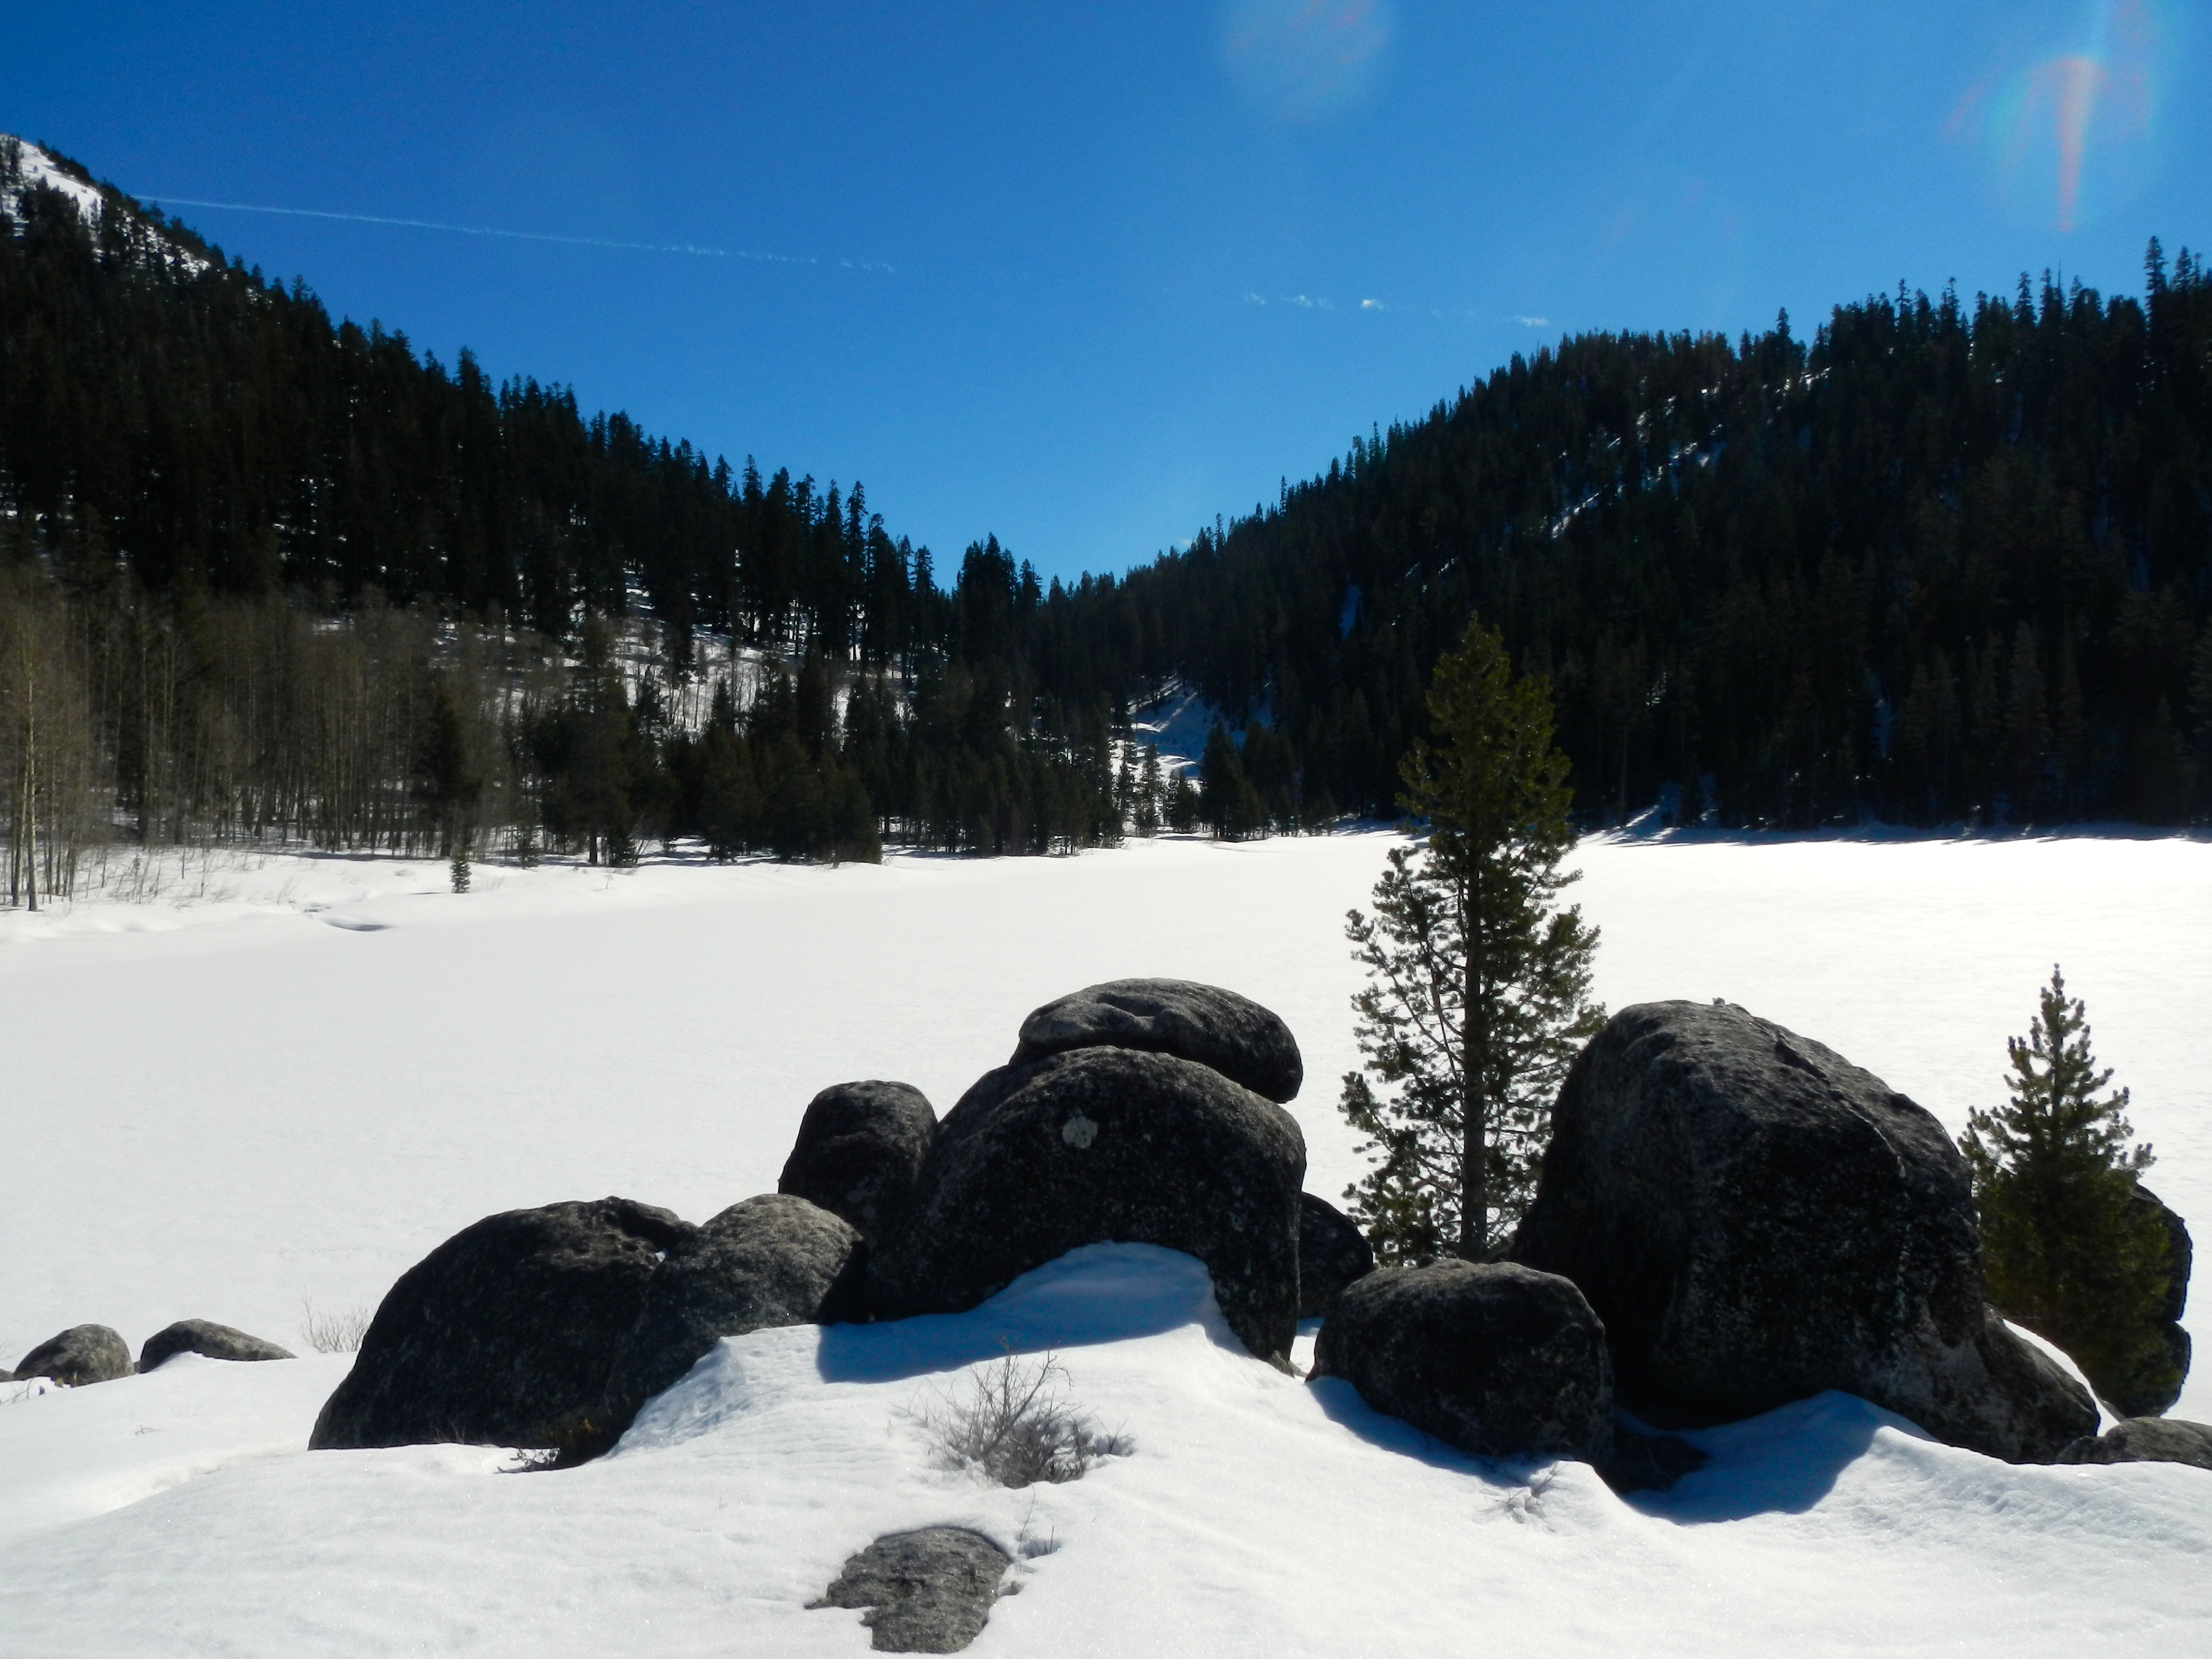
(928, 1591)
(80, 1355)
(2145, 1440)
(204, 1336)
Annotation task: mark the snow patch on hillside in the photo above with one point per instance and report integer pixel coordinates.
(32, 168)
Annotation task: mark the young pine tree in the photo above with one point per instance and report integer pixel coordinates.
(1479, 981)
(2066, 1249)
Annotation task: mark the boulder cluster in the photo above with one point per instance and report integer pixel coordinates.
(1141, 1111)
(1729, 1216)
(85, 1354)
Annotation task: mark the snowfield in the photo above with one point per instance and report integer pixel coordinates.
(280, 1081)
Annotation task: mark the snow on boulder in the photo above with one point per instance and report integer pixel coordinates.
(1756, 1219)
(506, 1334)
(928, 1591)
(1493, 1358)
(1234, 1035)
(80, 1355)
(204, 1336)
(2145, 1440)
(1103, 1145)
(859, 1147)
(1332, 1253)
(775, 1260)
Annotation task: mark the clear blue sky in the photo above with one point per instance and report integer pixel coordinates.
(1087, 275)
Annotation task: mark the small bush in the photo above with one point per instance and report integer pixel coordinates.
(1012, 1424)
(333, 1333)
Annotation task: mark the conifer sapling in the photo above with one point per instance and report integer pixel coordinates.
(2068, 1250)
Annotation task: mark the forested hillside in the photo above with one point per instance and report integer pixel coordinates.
(270, 576)
(1948, 560)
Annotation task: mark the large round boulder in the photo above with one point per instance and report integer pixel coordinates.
(1103, 1145)
(1756, 1219)
(775, 1260)
(1232, 1034)
(859, 1147)
(508, 1333)
(204, 1336)
(81, 1355)
(1332, 1253)
(2145, 1440)
(1493, 1358)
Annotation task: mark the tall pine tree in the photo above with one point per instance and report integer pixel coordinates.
(1478, 981)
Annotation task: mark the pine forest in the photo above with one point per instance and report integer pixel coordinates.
(267, 578)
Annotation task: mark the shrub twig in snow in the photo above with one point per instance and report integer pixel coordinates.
(333, 1333)
(1013, 1424)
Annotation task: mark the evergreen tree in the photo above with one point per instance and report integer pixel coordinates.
(2066, 1249)
(1479, 986)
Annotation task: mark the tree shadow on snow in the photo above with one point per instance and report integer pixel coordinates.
(1100, 1293)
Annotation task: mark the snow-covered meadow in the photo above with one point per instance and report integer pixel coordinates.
(282, 1081)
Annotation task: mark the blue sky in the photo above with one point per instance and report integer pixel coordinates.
(1087, 275)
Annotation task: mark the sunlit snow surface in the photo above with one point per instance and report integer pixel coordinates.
(296, 1084)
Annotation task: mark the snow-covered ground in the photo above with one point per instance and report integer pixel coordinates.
(283, 1081)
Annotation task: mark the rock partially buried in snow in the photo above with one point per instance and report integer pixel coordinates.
(1234, 1035)
(775, 1260)
(204, 1336)
(859, 1147)
(506, 1334)
(1756, 1219)
(928, 1591)
(80, 1356)
(1495, 1358)
(1104, 1145)
(2146, 1440)
(1332, 1253)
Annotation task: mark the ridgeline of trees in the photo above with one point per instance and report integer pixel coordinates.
(270, 576)
(1946, 561)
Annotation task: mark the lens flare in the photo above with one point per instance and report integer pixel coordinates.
(2070, 135)
(1300, 59)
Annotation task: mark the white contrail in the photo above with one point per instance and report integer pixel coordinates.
(522, 236)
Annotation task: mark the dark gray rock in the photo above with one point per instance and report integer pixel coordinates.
(930, 1592)
(2181, 1254)
(2152, 1385)
(506, 1334)
(1234, 1035)
(2146, 1440)
(775, 1260)
(1332, 1253)
(1100, 1145)
(1756, 1219)
(1493, 1358)
(1639, 1461)
(859, 1147)
(81, 1355)
(204, 1336)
